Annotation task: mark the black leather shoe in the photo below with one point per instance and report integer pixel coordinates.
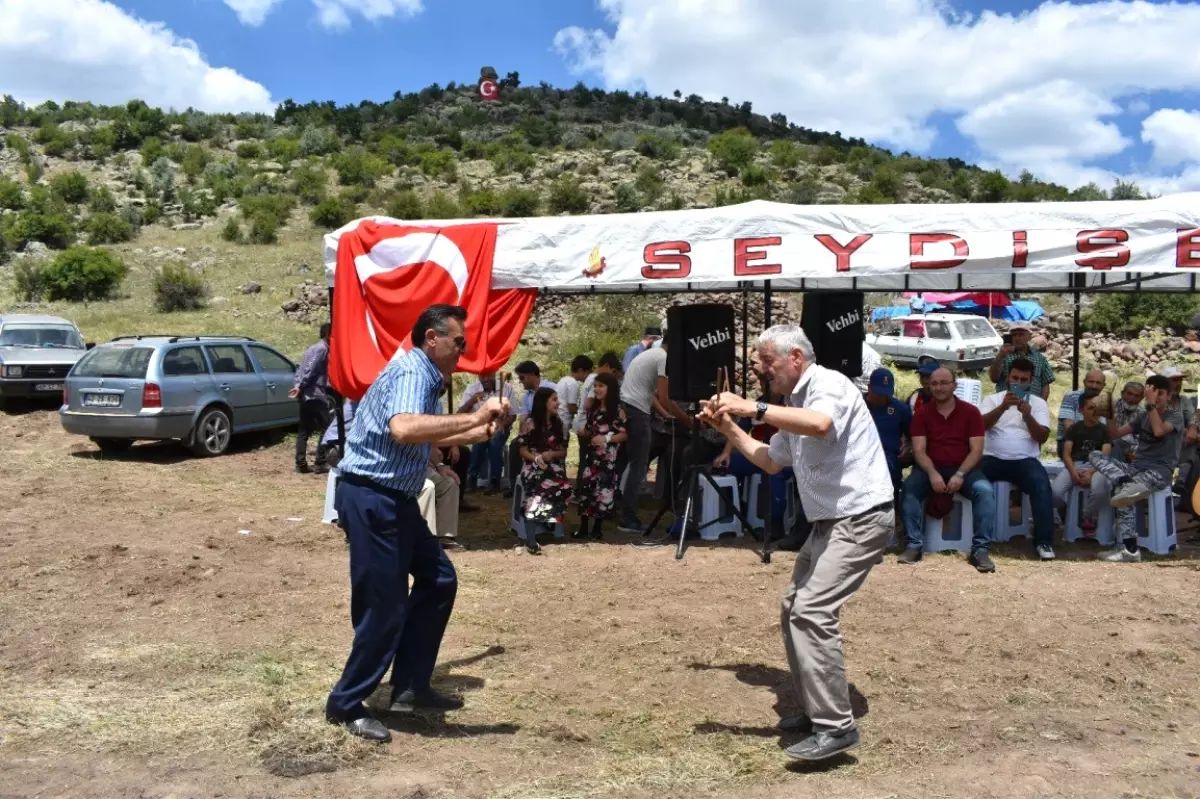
(822, 745)
(428, 699)
(982, 563)
(366, 727)
(909, 555)
(801, 723)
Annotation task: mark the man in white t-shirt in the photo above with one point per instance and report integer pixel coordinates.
(529, 375)
(569, 390)
(1018, 423)
(488, 453)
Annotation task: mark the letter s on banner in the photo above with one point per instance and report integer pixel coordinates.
(667, 259)
(747, 250)
(1111, 243)
(1187, 251)
(918, 241)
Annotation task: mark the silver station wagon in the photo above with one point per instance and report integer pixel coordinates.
(201, 390)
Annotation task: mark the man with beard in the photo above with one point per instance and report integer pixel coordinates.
(1043, 372)
(827, 435)
(1120, 412)
(1071, 409)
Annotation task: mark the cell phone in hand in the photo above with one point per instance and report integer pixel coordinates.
(1006, 338)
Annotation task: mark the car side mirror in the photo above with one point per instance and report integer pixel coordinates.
(89, 345)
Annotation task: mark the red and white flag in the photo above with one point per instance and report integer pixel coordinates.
(388, 274)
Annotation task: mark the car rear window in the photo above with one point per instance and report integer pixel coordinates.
(974, 328)
(126, 362)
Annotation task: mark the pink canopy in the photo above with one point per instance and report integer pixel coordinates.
(995, 299)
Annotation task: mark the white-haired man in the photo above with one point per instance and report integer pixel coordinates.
(826, 434)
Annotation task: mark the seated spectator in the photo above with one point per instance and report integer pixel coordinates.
(446, 493)
(610, 363)
(893, 420)
(1018, 423)
(1156, 430)
(1083, 438)
(947, 444)
(333, 455)
(1043, 373)
(1071, 409)
(530, 377)
(1121, 411)
(925, 369)
(1185, 404)
(543, 451)
(489, 453)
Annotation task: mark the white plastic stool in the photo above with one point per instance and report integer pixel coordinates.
(752, 505)
(792, 513)
(715, 518)
(516, 516)
(330, 515)
(1005, 530)
(940, 534)
(1157, 533)
(1104, 524)
(969, 390)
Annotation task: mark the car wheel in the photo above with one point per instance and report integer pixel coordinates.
(212, 433)
(112, 446)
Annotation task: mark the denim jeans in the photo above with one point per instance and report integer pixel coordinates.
(490, 453)
(975, 487)
(1029, 475)
(638, 445)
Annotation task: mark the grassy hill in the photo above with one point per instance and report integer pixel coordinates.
(204, 204)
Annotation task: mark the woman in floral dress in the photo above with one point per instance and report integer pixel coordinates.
(604, 432)
(544, 473)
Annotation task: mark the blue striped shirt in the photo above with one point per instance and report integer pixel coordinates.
(410, 384)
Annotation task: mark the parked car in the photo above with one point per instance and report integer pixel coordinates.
(201, 390)
(36, 352)
(959, 341)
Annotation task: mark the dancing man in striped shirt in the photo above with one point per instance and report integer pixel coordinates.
(382, 474)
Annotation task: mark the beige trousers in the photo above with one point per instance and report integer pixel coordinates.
(442, 516)
(832, 565)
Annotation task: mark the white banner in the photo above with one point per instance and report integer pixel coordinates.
(1150, 244)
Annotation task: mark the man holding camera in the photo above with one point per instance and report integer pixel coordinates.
(1016, 345)
(829, 438)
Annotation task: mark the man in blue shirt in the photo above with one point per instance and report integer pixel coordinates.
(395, 428)
(651, 335)
(892, 419)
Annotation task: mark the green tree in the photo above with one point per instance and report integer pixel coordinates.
(994, 187)
(232, 231)
(12, 196)
(518, 202)
(81, 274)
(567, 196)
(785, 154)
(108, 228)
(734, 149)
(333, 212)
(1128, 314)
(405, 205)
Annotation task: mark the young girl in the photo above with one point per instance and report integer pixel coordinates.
(604, 431)
(544, 473)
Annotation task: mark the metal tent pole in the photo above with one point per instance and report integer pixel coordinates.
(339, 414)
(1075, 337)
(745, 341)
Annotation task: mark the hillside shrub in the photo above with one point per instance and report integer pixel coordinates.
(177, 288)
(627, 200)
(405, 204)
(70, 187)
(29, 280)
(442, 206)
(308, 183)
(785, 154)
(108, 228)
(333, 212)
(232, 231)
(516, 201)
(1128, 314)
(250, 150)
(53, 229)
(81, 274)
(12, 196)
(567, 196)
(734, 150)
(102, 201)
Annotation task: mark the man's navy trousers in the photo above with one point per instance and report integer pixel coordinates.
(389, 541)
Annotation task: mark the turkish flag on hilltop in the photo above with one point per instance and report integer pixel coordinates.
(388, 274)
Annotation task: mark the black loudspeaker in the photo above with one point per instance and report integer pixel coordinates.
(699, 343)
(833, 322)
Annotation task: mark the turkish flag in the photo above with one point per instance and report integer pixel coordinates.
(388, 274)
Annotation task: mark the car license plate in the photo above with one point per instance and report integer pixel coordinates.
(102, 400)
(48, 387)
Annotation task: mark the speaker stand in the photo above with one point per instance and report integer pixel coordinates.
(696, 471)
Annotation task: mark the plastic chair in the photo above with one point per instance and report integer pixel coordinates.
(517, 513)
(1104, 525)
(1155, 523)
(955, 531)
(969, 390)
(1006, 529)
(715, 519)
(330, 514)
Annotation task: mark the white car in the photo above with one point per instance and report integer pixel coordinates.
(959, 341)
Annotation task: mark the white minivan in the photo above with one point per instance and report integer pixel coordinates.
(960, 341)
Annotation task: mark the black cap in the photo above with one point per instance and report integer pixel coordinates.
(653, 331)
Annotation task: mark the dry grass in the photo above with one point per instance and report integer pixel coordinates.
(142, 628)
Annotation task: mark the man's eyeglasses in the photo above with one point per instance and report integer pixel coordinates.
(941, 382)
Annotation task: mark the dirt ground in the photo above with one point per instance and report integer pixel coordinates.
(171, 627)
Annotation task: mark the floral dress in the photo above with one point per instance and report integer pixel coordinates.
(546, 490)
(598, 467)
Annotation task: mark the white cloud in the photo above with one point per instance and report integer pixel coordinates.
(1175, 136)
(252, 12)
(1031, 90)
(92, 50)
(335, 14)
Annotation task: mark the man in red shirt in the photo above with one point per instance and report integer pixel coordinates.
(947, 443)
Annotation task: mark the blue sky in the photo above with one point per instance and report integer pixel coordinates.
(1073, 91)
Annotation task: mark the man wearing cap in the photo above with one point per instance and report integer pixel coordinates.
(1120, 413)
(925, 368)
(1071, 409)
(1043, 373)
(1187, 442)
(651, 335)
(892, 420)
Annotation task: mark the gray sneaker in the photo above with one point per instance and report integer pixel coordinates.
(1131, 493)
(632, 527)
(822, 745)
(1119, 554)
(1045, 552)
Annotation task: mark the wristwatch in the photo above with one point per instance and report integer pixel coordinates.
(959, 475)
(762, 411)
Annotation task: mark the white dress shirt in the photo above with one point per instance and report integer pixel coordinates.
(845, 473)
